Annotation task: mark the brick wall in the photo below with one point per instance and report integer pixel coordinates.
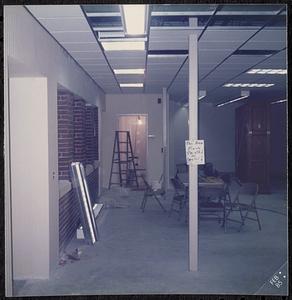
(69, 218)
(96, 146)
(77, 141)
(79, 130)
(65, 134)
(90, 135)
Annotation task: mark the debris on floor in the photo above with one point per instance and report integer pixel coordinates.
(74, 256)
(110, 199)
(62, 260)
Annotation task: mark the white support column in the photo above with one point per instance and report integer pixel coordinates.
(165, 109)
(193, 169)
(165, 103)
(7, 170)
(167, 142)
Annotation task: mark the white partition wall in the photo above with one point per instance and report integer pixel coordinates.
(31, 52)
(29, 177)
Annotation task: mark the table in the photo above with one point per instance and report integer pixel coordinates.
(208, 188)
(206, 182)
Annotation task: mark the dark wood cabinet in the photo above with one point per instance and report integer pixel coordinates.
(252, 144)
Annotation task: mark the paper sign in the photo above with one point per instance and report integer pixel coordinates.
(195, 153)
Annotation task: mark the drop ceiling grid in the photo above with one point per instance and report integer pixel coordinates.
(65, 25)
(169, 39)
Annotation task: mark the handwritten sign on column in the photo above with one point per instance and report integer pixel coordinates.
(195, 153)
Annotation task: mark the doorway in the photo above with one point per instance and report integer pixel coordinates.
(137, 125)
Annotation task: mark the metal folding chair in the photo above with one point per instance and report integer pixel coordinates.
(181, 168)
(211, 203)
(244, 203)
(180, 197)
(150, 192)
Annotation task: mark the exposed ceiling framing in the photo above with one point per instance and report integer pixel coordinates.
(232, 40)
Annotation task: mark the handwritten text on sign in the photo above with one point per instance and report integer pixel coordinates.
(195, 152)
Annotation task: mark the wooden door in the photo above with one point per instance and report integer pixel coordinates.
(252, 144)
(241, 155)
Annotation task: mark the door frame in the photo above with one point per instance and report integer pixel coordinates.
(137, 114)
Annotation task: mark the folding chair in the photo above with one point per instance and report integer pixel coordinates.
(211, 203)
(181, 168)
(150, 192)
(226, 177)
(180, 198)
(182, 172)
(246, 191)
(209, 170)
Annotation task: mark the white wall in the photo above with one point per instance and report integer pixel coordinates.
(133, 104)
(29, 177)
(178, 133)
(31, 52)
(216, 127)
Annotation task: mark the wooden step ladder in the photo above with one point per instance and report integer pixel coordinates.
(123, 161)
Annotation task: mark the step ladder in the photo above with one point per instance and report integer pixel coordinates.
(123, 161)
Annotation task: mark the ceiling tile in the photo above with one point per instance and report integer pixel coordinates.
(255, 45)
(65, 24)
(270, 35)
(221, 35)
(55, 11)
(88, 55)
(130, 78)
(80, 37)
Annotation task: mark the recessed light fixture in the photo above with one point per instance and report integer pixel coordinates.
(129, 71)
(123, 45)
(267, 71)
(134, 18)
(131, 84)
(243, 95)
(140, 122)
(279, 101)
(250, 85)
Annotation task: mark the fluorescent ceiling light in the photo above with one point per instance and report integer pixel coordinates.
(231, 101)
(122, 39)
(129, 71)
(279, 101)
(119, 46)
(131, 84)
(166, 55)
(100, 28)
(134, 18)
(257, 85)
(267, 71)
(202, 94)
(243, 95)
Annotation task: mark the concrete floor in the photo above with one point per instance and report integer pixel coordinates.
(147, 252)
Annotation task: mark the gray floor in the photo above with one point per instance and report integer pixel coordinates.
(148, 253)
